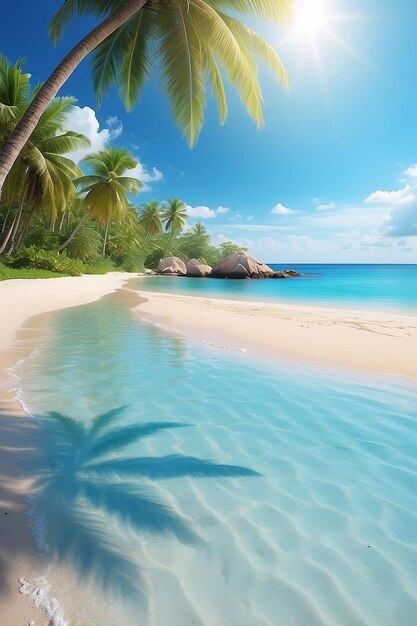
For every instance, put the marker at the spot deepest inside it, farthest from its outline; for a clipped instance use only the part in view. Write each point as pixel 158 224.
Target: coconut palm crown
pixel 174 215
pixel 189 42
pixel 106 189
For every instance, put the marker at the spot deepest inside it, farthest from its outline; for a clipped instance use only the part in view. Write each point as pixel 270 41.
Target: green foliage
pixel 35 258
pixel 86 245
pixel 132 263
pixel 107 188
pixel 228 247
pixel 102 267
pixel 189 43
pixel 8 273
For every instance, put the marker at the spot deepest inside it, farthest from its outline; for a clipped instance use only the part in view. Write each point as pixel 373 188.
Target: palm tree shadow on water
pixel 93 495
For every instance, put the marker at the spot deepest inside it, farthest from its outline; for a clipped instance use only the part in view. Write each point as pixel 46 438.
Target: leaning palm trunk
pixel 106 233
pixel 6 219
pixel 75 231
pixel 15 143
pixel 10 237
pixel 14 225
pixel 25 229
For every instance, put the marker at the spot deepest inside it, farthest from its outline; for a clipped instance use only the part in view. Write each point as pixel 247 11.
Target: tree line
pixel 52 212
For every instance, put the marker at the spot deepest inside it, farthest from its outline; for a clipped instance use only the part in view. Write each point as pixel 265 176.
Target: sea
pixel 177 484
pixel 368 287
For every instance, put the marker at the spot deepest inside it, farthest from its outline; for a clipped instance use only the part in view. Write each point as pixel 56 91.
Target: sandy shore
pixel 371 341
pixel 377 342
pixel 20 301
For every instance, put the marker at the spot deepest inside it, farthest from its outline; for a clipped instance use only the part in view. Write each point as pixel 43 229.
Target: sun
pixel 311 18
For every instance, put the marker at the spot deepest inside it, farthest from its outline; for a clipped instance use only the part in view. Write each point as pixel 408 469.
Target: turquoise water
pixel 180 485
pixel 382 287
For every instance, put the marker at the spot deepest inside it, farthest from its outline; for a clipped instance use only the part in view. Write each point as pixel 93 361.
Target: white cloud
pixel 84 120
pixel 326 207
pixel 144 175
pixel 401 222
pixel 115 125
pixel 200 212
pixel 411 171
pixel 260 228
pixel 280 209
pixel 401 196
pixel 205 212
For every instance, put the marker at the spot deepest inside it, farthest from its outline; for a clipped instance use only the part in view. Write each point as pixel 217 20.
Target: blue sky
pixel 332 177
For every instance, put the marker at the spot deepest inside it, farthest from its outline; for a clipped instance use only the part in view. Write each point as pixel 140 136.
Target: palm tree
pixel 107 188
pixel 85 475
pixel 174 216
pixel 151 220
pixel 42 175
pixel 193 38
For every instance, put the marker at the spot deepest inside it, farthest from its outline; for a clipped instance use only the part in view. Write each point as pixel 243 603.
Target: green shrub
pixel 86 245
pixel 36 258
pixel 8 273
pixel 104 266
pixel 132 263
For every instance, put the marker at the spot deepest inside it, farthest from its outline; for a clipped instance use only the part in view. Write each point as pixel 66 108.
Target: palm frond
pixel 215 79
pixel 66 142
pixel 136 64
pixel 278 11
pixel 182 76
pixel 255 44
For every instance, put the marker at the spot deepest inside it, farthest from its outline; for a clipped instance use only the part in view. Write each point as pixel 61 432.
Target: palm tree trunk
pixel 75 231
pixel 26 227
pixel 61 222
pixel 9 208
pixel 144 243
pixel 13 228
pixel 14 144
pixel 105 237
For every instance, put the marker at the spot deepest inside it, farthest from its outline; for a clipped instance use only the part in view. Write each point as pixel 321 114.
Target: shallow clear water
pixel 220 490
pixel 382 287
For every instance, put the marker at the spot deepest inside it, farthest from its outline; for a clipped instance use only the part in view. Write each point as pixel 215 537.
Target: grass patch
pixel 8 273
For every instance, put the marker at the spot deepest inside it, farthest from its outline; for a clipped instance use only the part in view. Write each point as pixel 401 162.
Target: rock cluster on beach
pixel 236 265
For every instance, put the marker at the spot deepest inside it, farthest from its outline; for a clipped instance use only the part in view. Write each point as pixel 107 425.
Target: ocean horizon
pixel 384 287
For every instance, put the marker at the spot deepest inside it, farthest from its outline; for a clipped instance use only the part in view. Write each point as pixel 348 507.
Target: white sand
pixel 372 341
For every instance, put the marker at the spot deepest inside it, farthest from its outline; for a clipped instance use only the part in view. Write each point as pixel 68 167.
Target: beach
pixel 375 342
pixel 21 300
pixel 368 341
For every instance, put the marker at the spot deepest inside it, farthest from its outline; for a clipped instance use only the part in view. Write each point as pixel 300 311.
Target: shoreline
pixel 376 342
pixel 26 303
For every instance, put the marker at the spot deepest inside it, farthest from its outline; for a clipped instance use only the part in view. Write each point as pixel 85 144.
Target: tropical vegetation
pixel 63 218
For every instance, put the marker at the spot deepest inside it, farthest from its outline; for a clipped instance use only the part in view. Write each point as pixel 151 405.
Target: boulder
pixel 168 271
pixel 171 265
pixel 148 272
pixel 292 273
pixel 285 274
pixel 197 269
pixel 241 265
pixel 239 272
